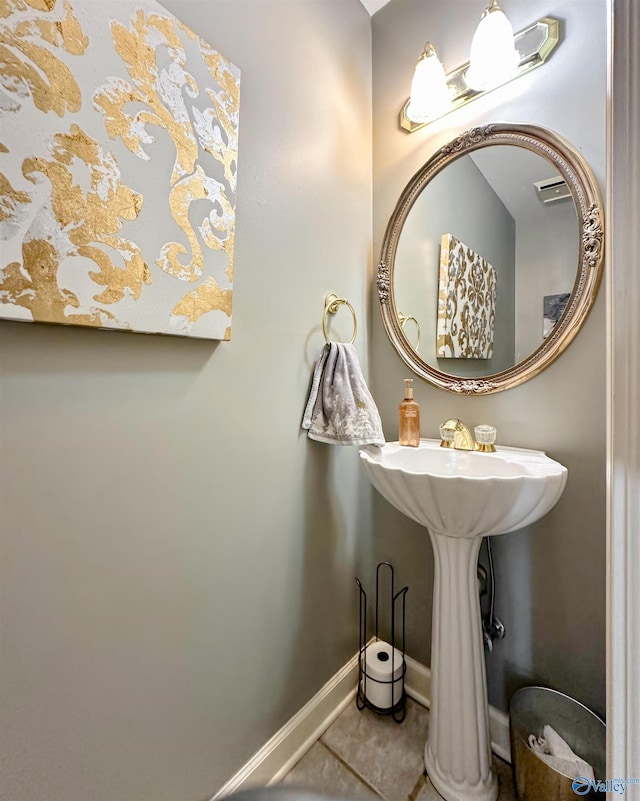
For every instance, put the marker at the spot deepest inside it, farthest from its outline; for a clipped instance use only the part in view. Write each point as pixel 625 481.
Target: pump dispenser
pixel 409 417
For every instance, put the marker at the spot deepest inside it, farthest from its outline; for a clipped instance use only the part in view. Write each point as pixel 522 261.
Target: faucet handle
pixel 485 436
pixel 447 434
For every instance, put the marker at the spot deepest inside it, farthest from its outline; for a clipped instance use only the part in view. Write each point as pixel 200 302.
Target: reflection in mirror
pixel 495 251
pixel 488 201
pixel 409 318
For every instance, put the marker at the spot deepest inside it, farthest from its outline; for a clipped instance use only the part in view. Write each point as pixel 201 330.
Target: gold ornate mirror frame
pixel 586 196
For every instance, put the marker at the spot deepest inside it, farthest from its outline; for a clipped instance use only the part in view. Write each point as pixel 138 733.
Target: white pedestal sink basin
pixel 462 496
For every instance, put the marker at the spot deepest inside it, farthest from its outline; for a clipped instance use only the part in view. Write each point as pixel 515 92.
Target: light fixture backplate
pixel 535 44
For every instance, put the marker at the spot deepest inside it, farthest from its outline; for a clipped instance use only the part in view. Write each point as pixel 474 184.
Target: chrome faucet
pixel 455 434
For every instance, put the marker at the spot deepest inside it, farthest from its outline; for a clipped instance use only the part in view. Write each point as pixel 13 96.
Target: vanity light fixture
pixel 430 95
pixel 529 48
pixel 494 58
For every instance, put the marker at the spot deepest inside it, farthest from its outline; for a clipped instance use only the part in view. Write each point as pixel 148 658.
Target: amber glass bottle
pixel 409 417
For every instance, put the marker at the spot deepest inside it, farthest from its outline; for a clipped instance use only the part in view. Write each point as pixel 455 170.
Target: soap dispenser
pixel 409 417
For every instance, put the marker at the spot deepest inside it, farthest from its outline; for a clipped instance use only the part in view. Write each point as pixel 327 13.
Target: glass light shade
pixel 494 58
pixel 430 95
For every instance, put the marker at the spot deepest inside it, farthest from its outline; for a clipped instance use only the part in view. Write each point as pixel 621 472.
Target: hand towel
pixel 340 409
pixel 553 750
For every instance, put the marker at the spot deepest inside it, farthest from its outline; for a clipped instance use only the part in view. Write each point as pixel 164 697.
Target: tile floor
pixel 368 757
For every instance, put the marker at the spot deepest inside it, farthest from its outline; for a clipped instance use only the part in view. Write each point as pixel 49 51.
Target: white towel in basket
pixel 553 750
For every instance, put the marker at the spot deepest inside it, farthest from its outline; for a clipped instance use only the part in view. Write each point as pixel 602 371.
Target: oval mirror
pixel 492 258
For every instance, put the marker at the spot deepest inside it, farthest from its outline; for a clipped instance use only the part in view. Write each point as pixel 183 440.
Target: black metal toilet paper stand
pixel 396 600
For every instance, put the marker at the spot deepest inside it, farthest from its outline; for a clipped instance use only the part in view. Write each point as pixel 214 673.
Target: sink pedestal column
pixel 458 752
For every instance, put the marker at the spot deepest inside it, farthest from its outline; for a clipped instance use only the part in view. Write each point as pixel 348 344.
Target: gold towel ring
pixel 405 318
pixel 331 304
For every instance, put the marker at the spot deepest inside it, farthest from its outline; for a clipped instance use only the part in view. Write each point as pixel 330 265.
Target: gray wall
pixel 551 576
pixel 178 559
pixel 548 248
pixel 547 236
pixel 457 201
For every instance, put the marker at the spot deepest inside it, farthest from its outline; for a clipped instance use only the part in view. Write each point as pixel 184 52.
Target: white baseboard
pixel 287 746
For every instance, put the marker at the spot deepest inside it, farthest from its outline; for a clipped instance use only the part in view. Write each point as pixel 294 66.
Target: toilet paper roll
pixel 382 689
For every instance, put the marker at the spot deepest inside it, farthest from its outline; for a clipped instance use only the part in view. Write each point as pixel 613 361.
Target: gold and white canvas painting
pixel 466 303
pixel 118 160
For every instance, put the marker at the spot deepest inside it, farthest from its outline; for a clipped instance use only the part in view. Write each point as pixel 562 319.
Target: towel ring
pixel 405 318
pixel 331 304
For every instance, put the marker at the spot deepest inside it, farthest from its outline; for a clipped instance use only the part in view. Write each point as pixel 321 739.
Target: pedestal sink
pixel 462 496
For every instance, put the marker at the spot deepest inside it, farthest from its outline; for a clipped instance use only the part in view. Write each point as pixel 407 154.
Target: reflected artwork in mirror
pixel 466 303
pixel 499 220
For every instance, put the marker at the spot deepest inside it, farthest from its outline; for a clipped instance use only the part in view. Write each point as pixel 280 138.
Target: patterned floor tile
pixel 506 791
pixel 427 792
pixel 321 771
pixel 387 755
pixel 369 757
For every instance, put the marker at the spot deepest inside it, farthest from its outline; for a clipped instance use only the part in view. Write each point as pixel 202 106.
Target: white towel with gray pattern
pixel 340 409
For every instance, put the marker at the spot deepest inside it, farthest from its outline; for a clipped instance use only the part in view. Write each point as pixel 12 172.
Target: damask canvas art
pixel 466 303
pixel 118 162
